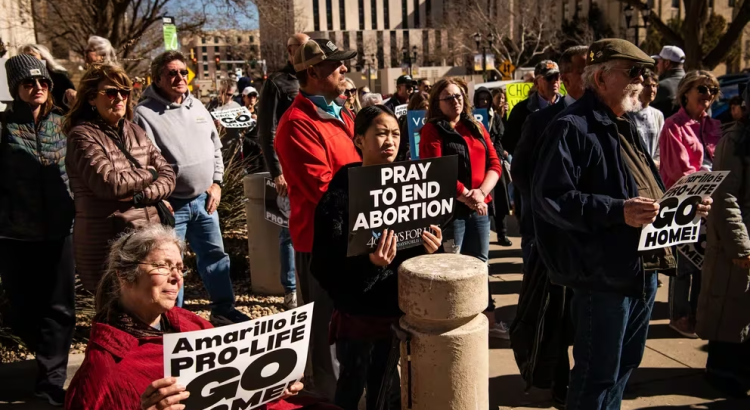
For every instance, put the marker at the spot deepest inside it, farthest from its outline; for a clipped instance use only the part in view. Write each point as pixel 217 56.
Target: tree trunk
pixel 693 27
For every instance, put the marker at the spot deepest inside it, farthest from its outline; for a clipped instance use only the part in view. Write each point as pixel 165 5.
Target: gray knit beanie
pixel 24 66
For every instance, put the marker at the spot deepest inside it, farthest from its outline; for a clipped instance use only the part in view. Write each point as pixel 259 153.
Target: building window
pixel 407 45
pixel 394 50
pixel 428 13
pixel 205 70
pixel 373 15
pixel 675 4
pixel 216 40
pixel 731 3
pixel 417 21
pixel 329 15
pixel 380 53
pixel 203 40
pixel 253 48
pixel 347 41
pixel 438 43
pixel 404 14
pixel 203 49
pixel 316 15
pixel 205 57
pixel 360 48
pixel 342 15
pixel 386 14
pixel 361 14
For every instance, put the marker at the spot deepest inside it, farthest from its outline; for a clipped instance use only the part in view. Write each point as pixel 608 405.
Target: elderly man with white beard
pixel 594 188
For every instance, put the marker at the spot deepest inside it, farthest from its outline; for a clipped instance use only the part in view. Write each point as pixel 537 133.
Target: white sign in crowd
pixel 240 366
pixel 677 222
pixel 234 117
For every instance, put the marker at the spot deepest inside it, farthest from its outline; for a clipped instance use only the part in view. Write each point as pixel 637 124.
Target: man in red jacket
pixel 314 140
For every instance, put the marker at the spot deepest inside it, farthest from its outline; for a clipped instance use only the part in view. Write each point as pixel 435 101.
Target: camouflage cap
pixel 614 48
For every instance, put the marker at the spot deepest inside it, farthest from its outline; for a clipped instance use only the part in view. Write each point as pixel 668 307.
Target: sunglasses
pixel 452 97
pixel 173 73
pixel 30 83
pixel 112 93
pixel 427 87
pixel 634 71
pixel 706 90
pixel 350 91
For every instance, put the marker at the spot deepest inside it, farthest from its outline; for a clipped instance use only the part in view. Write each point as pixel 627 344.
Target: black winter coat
pixel 276 96
pixel 355 285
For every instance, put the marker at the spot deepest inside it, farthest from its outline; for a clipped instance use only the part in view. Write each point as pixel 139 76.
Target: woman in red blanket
pixel 135 306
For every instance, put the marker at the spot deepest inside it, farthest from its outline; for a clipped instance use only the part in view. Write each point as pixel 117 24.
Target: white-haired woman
pixel 135 307
pixel 100 50
pixel 64 92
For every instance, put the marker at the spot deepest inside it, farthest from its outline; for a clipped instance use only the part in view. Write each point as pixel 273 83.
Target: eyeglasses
pixel 452 97
pixel 553 78
pixel 706 90
pixel 650 85
pixel 229 94
pixel 112 93
pixel 30 83
pixel 350 91
pixel 173 73
pixel 163 269
pixel 634 71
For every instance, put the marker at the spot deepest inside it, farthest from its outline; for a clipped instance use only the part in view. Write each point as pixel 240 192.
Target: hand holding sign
pixel 640 211
pixel 386 251
pixel 432 242
pixel 164 394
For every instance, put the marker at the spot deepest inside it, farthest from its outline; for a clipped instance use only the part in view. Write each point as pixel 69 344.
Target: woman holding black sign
pixel 450 129
pixel 364 288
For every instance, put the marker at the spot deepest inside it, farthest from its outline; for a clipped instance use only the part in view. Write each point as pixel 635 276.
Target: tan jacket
pixel 724 302
pixel 104 183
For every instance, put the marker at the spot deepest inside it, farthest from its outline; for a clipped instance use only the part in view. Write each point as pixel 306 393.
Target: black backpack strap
pixel 127 153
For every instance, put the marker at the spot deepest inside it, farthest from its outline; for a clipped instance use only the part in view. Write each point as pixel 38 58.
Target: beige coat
pixel 724 303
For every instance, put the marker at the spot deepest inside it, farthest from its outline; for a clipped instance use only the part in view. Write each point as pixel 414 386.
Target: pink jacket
pixel 681 145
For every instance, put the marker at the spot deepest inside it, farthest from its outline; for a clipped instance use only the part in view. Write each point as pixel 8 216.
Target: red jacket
pixel 118 367
pixel 312 145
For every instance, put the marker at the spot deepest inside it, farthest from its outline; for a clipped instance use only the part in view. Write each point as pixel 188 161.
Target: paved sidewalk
pixel 670 376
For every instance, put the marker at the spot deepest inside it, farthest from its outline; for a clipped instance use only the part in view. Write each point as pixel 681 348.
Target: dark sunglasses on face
pixel 452 97
pixel 634 71
pixel 553 78
pixel 173 73
pixel 112 93
pixel 350 91
pixel 30 83
pixel 706 90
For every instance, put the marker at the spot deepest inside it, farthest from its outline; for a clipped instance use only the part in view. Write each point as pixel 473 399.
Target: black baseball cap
pixel 317 50
pixel 405 79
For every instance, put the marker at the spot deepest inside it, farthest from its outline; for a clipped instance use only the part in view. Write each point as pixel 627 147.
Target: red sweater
pixel 118 367
pixel 312 146
pixel 430 146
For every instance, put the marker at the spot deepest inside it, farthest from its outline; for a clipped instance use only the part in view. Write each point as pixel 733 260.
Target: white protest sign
pixel 234 117
pixel 240 366
pixel 400 110
pixel 695 252
pixel 677 221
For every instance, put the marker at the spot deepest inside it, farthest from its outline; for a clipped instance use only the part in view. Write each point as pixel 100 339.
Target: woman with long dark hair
pixel 451 129
pixel 364 289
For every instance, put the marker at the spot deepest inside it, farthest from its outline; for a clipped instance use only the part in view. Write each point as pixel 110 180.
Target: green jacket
pixel 35 201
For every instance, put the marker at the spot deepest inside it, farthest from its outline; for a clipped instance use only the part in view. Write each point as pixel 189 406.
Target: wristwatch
pixel 219 183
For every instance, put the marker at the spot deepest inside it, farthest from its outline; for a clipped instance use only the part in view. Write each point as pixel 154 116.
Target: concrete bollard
pixel 262 239
pixel 445 361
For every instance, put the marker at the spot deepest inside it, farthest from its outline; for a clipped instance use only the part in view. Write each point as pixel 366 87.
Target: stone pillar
pixel 262 239
pixel 445 364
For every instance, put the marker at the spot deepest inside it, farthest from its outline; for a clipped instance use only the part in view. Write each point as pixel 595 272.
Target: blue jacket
pixel 580 186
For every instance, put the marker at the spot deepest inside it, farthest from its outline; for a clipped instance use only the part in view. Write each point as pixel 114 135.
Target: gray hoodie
pixel 188 140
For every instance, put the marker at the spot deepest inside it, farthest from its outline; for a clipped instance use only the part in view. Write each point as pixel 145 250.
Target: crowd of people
pixel 112 186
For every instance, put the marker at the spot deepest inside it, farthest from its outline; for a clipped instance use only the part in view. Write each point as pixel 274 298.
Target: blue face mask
pixel 333 108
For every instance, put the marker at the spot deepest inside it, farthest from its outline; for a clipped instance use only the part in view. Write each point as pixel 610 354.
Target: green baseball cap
pixel 615 48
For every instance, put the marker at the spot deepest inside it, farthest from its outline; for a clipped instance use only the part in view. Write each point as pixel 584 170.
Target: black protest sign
pixel 277 207
pixel 695 252
pixel 406 197
pixel 240 366
pixel 677 221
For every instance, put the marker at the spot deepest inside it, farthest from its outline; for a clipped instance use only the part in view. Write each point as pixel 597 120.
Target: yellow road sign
pixel 190 77
pixel 506 68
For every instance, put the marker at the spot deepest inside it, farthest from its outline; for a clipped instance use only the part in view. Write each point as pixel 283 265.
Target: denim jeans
pixel 471 237
pixel 363 365
pixel 684 290
pixel 201 230
pixel 286 253
pixel 610 337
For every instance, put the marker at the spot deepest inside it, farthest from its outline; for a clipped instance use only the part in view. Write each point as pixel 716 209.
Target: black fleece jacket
pixel 356 286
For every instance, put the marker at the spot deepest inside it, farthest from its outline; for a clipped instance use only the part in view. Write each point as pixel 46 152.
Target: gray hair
pixel 589 73
pixel 161 61
pixel 104 48
pixel 566 59
pixel 369 99
pixel 52 64
pixel 125 253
